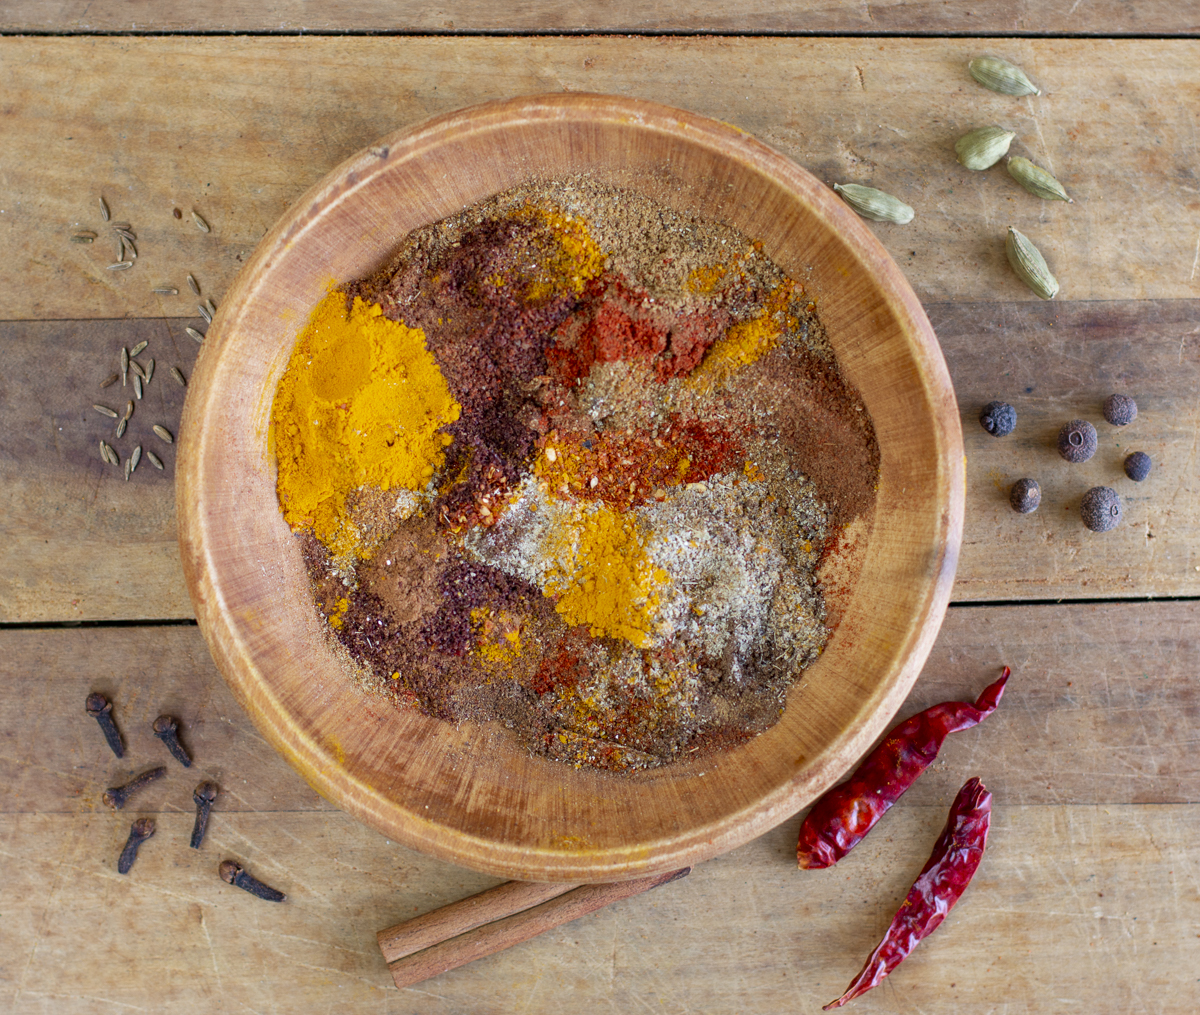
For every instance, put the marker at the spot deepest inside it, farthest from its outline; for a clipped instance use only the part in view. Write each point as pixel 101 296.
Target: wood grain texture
pixel 76 541
pixel 1080 906
pixel 1088 891
pixel 491 805
pixel 1005 17
pixel 514 929
pixel 1101 710
pixel 450 921
pixel 148 123
pixel 104 551
pixel 1054 363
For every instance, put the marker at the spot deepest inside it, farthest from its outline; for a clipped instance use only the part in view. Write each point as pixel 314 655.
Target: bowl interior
pixel 458 791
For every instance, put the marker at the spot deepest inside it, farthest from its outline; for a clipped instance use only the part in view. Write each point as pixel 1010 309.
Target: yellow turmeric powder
pixel 573 257
pixel 359 405
pixel 746 341
pixel 604 578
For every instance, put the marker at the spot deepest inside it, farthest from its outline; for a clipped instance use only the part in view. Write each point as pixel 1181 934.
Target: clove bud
pixel 232 873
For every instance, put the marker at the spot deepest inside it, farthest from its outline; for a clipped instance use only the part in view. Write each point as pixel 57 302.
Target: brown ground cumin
pixel 617 560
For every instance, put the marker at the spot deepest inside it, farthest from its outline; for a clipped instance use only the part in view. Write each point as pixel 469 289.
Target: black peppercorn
pixel 1120 410
pixel 1077 441
pixel 1025 495
pixel 1137 466
pixel 998 418
pixel 1100 509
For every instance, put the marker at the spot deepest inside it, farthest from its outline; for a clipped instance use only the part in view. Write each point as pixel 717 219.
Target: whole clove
pixel 204 795
pixel 116 796
pixel 167 730
pixel 232 873
pixel 140 831
pixel 100 709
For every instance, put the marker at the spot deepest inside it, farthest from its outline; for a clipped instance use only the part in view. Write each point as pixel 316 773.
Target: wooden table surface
pixel 1089 897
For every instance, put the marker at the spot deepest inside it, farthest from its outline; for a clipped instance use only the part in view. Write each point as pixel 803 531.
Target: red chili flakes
pixel 561 670
pixel 618 322
pixel 625 470
pixel 483 505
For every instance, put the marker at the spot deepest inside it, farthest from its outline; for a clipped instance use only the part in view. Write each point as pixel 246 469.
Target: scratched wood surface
pixel 1006 17
pixel 153 124
pixel 1088 891
pixel 78 543
pixel 1088 899
pixel 163 135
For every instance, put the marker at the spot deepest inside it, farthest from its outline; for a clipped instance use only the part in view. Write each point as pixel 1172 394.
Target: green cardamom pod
pixel 874 204
pixel 984 147
pixel 1036 180
pixel 1001 76
pixel 1030 266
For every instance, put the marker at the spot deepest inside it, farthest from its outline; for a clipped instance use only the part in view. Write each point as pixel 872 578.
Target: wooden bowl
pixel 426 783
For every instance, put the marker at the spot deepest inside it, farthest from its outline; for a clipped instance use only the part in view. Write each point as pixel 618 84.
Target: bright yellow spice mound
pixel 747 341
pixel 605 579
pixel 573 257
pixel 359 405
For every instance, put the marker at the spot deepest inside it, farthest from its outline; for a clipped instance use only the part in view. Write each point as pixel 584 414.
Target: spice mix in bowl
pixel 592 509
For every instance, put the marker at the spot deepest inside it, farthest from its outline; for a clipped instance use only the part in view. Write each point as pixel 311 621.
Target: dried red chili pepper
pixel 939 886
pixel 842 817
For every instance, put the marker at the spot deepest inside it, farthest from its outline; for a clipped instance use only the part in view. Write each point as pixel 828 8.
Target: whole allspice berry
pixel 998 418
pixel 1137 466
pixel 1100 509
pixel 1077 440
pixel 1120 410
pixel 1025 496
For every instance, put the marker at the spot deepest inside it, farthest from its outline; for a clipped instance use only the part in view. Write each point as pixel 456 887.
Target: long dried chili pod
pixel 842 817
pixel 942 881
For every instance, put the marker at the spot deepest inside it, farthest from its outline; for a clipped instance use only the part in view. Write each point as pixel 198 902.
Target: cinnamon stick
pixel 496 919
pixel 459 917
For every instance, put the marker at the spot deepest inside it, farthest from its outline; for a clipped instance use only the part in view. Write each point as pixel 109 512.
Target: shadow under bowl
pixel 459 792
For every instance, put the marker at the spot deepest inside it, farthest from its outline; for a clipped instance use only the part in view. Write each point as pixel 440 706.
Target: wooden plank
pixel 155 125
pixel 1073 906
pixel 77 543
pixel 1087 894
pixel 1005 17
pixel 1057 362
pixel 1102 710
pixel 55 758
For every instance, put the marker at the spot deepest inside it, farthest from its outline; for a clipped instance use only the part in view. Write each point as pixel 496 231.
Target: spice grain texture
pixel 571 461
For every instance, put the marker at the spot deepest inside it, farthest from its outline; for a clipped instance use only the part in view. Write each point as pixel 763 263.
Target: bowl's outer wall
pixel 460 792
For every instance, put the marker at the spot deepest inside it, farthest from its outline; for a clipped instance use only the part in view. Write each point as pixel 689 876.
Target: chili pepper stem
pixel 841 819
